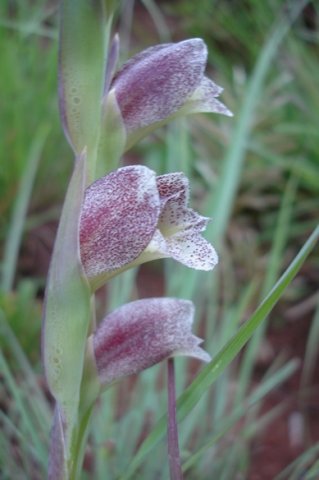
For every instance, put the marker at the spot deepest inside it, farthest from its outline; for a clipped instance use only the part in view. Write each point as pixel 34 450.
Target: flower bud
pixel 142 333
pixel 163 82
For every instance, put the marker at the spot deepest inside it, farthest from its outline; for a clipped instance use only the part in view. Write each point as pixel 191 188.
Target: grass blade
pixel 311 354
pixel 13 241
pixel 228 421
pixel 277 252
pixel 227 186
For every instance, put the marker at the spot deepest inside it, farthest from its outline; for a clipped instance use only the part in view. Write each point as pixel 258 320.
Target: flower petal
pixel 192 250
pixel 155 83
pixel 204 99
pixel 174 194
pixel 178 235
pixel 171 184
pixel 175 215
pixel 142 333
pixel 119 218
pixel 188 248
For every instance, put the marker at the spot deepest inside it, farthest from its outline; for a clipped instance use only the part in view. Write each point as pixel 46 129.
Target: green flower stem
pixel 79 444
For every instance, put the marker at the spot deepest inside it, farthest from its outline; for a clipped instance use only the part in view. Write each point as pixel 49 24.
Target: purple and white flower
pixel 131 216
pixel 140 334
pixel 161 83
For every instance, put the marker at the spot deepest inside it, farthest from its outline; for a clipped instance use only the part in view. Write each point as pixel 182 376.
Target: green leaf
pixel 215 368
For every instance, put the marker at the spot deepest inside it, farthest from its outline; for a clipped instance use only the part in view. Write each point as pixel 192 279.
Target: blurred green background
pixel 256 175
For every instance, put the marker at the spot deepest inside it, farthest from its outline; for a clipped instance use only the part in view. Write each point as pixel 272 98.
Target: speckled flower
pixel 161 83
pixel 131 216
pixel 142 333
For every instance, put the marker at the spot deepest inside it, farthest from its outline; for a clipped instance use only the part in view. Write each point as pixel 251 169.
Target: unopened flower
pixel 161 83
pixel 142 333
pixel 131 216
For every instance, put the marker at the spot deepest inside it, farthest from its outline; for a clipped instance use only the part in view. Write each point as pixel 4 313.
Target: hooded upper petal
pixel 119 218
pixel 142 333
pixel 155 83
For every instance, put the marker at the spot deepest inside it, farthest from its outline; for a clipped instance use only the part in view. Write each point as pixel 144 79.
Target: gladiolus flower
pixel 131 216
pixel 161 83
pixel 140 334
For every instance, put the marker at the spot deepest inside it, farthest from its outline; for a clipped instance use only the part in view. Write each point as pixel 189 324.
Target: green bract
pixel 67 317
